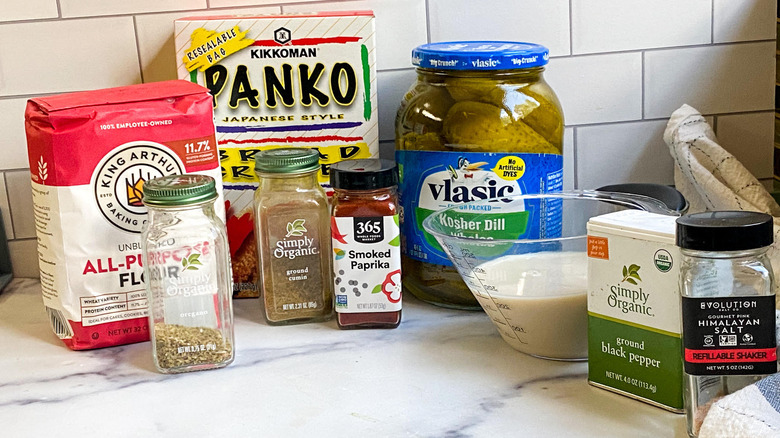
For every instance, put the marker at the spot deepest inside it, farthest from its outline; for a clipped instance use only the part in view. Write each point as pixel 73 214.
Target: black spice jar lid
pixel 363 174
pixel 724 231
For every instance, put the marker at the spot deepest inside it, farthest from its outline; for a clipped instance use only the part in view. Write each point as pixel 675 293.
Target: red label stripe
pixel 309 41
pixel 728 356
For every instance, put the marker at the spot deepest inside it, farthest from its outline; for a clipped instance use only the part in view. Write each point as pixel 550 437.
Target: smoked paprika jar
pixel 366 244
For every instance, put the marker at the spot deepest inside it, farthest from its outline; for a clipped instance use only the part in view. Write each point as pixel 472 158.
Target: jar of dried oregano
pixel 188 277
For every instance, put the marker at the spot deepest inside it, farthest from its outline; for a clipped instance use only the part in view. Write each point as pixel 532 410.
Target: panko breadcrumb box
pixel 305 80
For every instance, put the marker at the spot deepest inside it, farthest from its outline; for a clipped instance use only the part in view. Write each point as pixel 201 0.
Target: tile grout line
pixel 138 49
pixel 8 200
pixel 642 76
pixel 712 21
pixel 571 29
pixel 574 171
pixel 10 207
pixel 428 20
pixel 59 9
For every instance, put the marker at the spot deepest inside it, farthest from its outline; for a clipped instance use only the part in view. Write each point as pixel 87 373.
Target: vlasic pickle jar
pixel 480 122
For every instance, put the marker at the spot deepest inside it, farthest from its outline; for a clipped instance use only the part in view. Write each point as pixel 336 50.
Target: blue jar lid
pixel 480 55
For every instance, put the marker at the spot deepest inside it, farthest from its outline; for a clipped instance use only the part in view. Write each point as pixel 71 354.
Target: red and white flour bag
pixel 90 154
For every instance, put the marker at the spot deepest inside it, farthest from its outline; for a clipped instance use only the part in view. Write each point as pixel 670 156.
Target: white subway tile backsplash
pixel 13 142
pixel 20 199
pixel 598 88
pixel 617 25
pixel 621 153
pixel 13 10
pixel 391 89
pixel 88 8
pixel 543 22
pixel 749 137
pixel 5 209
pixel 400 26
pixel 24 258
pixel 744 20
pixel 569 182
pixel 68 55
pixel 155 39
pixel 714 79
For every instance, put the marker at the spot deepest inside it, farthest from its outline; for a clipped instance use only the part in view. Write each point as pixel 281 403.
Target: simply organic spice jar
pixel 188 281
pixel 480 122
pixel 292 225
pixel 366 244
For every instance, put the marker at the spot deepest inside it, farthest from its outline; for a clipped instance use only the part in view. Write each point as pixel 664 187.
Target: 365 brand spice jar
pixel 293 230
pixel 366 244
pixel 480 122
pixel 728 306
pixel 188 279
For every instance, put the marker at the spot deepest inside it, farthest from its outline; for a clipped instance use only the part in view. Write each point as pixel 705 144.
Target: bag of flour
pixel 90 154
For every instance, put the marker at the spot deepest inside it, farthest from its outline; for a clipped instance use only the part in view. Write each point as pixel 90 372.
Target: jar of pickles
pixel 480 122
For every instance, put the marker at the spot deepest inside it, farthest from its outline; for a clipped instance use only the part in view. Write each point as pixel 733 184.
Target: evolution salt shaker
pixel 728 306
pixel 188 276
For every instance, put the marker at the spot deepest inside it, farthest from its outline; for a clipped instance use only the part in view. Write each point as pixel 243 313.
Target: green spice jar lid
pixel 287 160
pixel 177 190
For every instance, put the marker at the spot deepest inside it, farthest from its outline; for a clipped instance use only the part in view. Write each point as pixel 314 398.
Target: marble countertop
pixel 442 373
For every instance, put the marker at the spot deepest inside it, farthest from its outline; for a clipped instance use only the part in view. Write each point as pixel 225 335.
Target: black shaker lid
pixel 363 174
pixel 725 231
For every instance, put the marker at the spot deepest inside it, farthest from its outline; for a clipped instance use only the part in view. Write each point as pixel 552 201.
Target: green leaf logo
pixel 377 289
pixel 191 262
pixel 296 228
pixel 631 274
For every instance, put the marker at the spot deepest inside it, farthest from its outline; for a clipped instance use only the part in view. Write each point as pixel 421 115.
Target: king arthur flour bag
pixel 90 154
pixel 298 80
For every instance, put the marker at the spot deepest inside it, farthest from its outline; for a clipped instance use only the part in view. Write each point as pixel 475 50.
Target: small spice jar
pixel 728 306
pixel 293 230
pixel 188 276
pixel 366 244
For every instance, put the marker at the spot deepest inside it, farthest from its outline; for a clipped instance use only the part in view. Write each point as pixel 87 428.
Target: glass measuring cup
pixel 524 259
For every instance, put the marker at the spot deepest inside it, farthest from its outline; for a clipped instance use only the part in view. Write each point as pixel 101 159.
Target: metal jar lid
pixel 287 160
pixel 178 190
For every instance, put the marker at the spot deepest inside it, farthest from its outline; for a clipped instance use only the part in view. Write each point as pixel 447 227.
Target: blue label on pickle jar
pixel 433 180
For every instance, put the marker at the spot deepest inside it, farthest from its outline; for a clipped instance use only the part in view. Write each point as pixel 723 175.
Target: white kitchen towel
pixel 711 178
pixel 751 412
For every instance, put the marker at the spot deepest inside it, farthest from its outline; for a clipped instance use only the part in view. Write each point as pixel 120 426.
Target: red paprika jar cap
pixel 363 174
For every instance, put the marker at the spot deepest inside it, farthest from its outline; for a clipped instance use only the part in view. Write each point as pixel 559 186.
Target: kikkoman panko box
pixel 305 80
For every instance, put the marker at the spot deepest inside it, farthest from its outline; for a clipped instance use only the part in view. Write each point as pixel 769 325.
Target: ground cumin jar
pixel 366 244
pixel 293 237
pixel 480 122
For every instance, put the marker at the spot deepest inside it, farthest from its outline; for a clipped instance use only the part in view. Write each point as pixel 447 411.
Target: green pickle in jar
pixel 480 122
